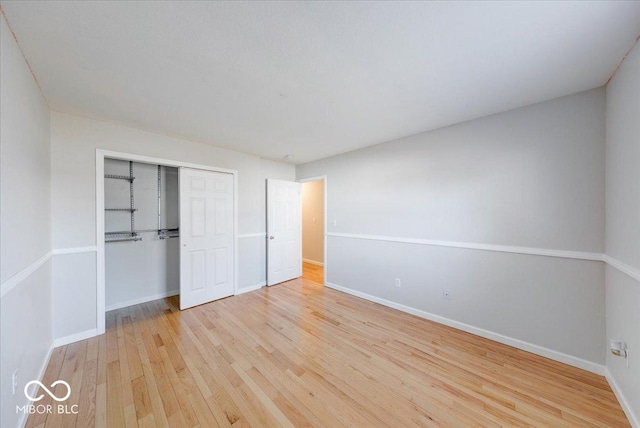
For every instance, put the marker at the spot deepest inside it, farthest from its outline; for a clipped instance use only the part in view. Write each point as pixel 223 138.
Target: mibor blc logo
pixel 48 408
pixel 51 394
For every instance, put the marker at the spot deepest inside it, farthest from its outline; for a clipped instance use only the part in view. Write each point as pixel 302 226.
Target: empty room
pixel 328 214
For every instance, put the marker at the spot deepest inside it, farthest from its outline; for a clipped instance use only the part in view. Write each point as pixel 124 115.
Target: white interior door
pixel 206 236
pixel 284 231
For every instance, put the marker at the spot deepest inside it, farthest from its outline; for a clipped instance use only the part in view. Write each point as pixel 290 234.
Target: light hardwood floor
pixel 313 273
pixel 299 354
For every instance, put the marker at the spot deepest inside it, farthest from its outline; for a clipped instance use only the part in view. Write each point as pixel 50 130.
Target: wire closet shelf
pixel 133 234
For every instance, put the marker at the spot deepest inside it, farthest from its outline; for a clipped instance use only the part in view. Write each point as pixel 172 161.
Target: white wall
pixel 73 143
pixel 623 226
pixel 25 227
pixel 531 177
pixel 137 271
pixel 313 221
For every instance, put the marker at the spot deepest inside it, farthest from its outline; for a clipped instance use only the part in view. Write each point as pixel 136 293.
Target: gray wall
pixel 25 227
pixel 531 177
pixel 74 141
pixel 623 224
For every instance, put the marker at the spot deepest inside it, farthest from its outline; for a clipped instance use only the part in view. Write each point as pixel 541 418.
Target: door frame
pixel 100 254
pixel 326 221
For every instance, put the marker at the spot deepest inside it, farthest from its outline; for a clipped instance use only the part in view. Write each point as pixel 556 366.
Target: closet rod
pixel 137 238
pixel 121 232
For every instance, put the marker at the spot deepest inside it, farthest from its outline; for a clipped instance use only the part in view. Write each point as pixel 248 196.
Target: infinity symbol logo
pixel 51 394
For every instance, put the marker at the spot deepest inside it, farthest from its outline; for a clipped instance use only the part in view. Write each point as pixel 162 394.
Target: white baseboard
pixel 61 341
pixel 516 343
pixel 144 299
pixel 45 363
pixel 251 288
pixel 634 420
pixel 313 262
pixel 43 368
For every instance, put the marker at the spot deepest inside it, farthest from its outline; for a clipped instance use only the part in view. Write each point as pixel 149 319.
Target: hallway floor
pixel 313 273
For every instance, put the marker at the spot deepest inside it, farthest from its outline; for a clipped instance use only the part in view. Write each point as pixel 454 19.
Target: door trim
pixel 326 220
pixel 100 254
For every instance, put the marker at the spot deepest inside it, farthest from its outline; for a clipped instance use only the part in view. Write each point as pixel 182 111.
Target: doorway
pixel 313 229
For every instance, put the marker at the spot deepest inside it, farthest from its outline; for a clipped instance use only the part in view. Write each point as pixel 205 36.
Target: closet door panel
pixel 206 236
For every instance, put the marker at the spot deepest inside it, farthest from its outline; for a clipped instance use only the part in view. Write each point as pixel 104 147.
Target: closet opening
pixel 141 227
pixel 163 228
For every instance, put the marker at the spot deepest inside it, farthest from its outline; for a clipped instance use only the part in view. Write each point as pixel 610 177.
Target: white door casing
pixel 206 236
pixel 284 231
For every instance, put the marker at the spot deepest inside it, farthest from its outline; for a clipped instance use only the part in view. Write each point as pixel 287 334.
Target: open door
pixel 206 236
pixel 284 231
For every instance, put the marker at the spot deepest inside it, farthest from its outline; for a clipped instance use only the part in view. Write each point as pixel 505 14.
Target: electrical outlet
pixel 398 283
pixel 14 382
pixel 619 349
pixel 335 222
pixel 446 294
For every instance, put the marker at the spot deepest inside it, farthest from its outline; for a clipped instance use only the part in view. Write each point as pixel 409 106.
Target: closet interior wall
pixel 143 266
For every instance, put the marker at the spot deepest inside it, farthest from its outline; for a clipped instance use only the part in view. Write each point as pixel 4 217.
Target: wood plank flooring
pixel 299 354
pixel 313 273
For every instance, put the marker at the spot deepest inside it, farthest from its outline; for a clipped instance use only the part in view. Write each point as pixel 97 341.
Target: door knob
pixel 272 237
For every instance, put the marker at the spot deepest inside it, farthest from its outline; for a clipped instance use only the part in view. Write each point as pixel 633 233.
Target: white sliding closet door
pixel 206 236
pixel 284 231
